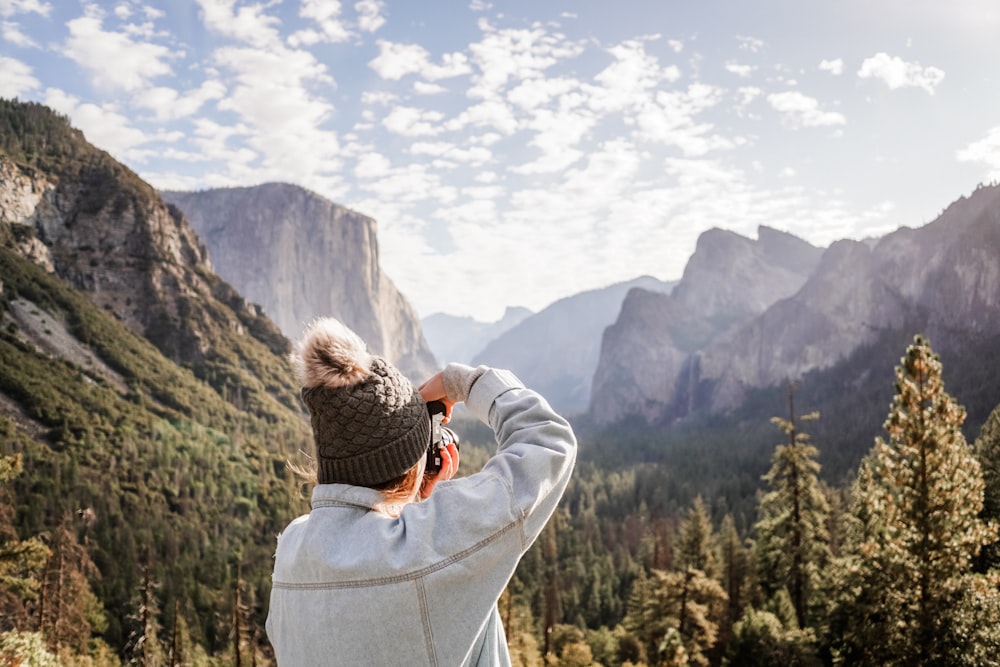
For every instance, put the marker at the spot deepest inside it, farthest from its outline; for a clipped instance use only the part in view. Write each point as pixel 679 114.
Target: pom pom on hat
pixel 331 355
pixel 369 423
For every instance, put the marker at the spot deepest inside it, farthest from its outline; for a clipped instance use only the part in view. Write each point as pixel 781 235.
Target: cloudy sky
pixel 514 153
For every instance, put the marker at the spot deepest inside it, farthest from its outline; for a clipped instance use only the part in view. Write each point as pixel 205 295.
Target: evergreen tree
pixel 915 529
pixel 793 543
pixel 987 450
pixel 694 548
pixel 734 560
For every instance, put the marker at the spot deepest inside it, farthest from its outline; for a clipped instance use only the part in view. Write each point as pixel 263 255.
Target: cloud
pixel 12 34
pixel 169 104
pixel 474 156
pixel 12 7
pixel 627 82
pixel 740 70
pixel 492 114
pixel 16 78
pixel 270 93
pixel 897 73
pixel 113 59
pixel 835 67
pixel 396 61
pixel 249 24
pixel 557 133
pixel 370 16
pixel 326 15
pixel 508 55
pixel 413 122
pixel 670 120
pixel 424 88
pixel 802 110
pixel 751 44
pixel 986 151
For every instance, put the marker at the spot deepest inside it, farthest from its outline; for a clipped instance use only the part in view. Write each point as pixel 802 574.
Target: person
pixel 391 567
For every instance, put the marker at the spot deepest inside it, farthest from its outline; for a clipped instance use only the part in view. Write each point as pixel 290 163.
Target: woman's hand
pixel 449 466
pixel 433 390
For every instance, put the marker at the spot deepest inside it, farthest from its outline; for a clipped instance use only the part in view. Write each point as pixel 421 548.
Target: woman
pixel 390 567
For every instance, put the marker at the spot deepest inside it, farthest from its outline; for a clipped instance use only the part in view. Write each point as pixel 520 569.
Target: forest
pixel 897 565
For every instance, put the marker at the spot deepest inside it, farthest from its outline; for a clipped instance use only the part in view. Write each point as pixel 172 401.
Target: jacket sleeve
pixel 537 448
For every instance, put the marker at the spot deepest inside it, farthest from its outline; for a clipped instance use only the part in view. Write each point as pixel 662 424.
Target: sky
pixel 515 153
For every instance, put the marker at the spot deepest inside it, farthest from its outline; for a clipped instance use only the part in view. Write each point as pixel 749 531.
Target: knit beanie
pixel 369 423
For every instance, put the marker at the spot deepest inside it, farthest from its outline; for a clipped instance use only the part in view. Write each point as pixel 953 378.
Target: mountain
pixel 454 338
pixel 152 406
pixel 940 280
pixel 646 361
pixel 301 256
pixel 93 223
pixel 555 351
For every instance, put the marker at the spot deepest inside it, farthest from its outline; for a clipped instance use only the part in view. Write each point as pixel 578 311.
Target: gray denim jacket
pixel 353 587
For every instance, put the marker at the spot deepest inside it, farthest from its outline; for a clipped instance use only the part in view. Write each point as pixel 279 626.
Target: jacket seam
pixel 425 619
pixel 410 576
pixel 332 502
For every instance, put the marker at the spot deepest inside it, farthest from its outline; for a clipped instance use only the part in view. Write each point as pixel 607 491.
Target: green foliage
pixel 760 639
pixel 176 478
pixel 26 648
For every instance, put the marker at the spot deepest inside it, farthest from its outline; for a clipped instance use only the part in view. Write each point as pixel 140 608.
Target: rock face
pixel 648 366
pixel 301 256
pixel 556 350
pixel 109 234
pixel 721 332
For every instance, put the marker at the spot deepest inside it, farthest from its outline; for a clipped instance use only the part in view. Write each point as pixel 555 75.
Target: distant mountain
pixel 302 256
pixel 555 351
pixel 775 309
pixel 454 338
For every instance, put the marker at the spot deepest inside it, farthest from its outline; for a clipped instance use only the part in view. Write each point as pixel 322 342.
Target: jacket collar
pixel 339 495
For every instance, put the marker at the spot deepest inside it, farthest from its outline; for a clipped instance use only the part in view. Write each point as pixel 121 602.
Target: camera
pixel 441 437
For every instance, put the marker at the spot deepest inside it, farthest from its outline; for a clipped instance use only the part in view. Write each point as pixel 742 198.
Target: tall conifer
pixel 915 530
pixel 793 543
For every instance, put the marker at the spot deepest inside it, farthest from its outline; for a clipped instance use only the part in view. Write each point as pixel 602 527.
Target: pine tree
pixel 914 532
pixel 793 543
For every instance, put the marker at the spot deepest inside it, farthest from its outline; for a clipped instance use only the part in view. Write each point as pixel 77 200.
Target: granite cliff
pixel 647 360
pixel 302 256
